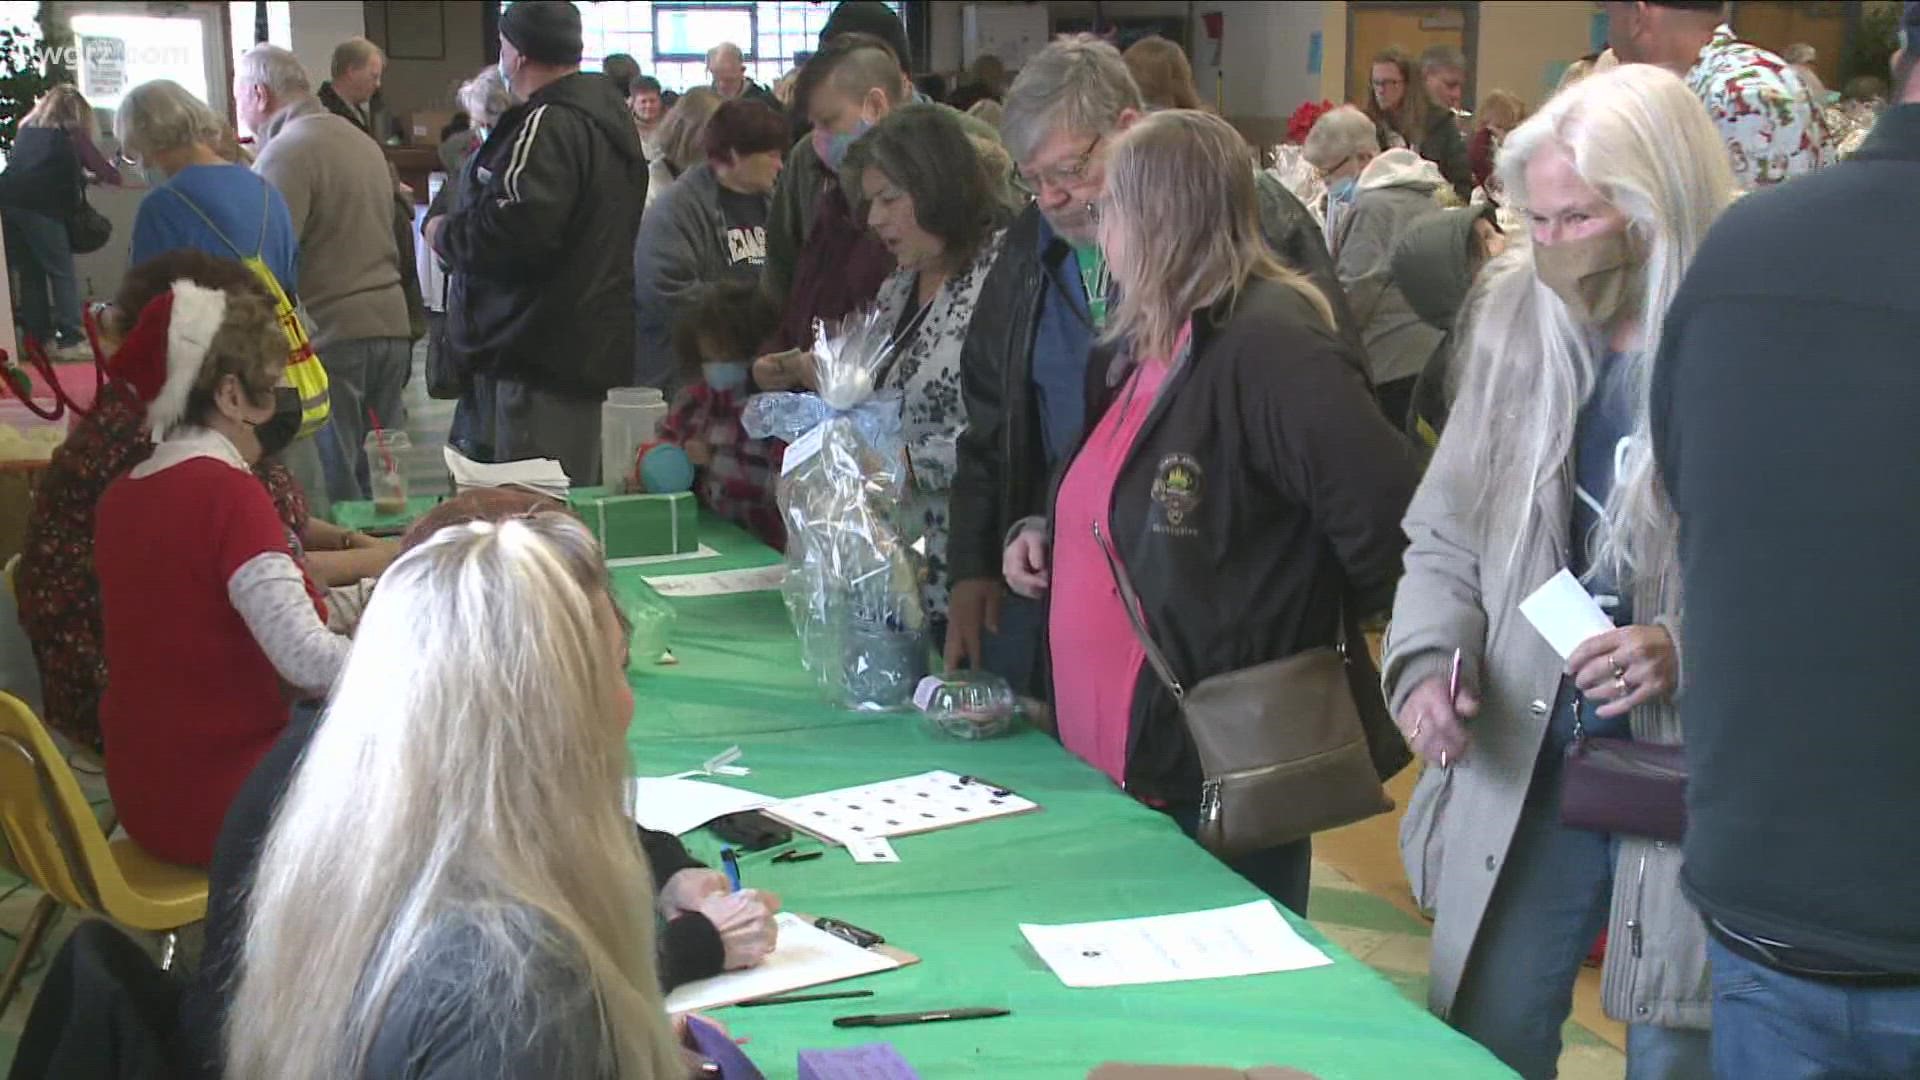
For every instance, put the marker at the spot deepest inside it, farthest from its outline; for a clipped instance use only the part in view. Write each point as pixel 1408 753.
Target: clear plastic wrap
pixel 854 572
pixel 1291 167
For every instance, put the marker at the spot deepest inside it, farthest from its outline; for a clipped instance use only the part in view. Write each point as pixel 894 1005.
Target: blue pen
pixel 731 863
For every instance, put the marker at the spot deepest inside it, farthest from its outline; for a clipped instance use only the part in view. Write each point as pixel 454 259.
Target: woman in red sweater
pixel 211 624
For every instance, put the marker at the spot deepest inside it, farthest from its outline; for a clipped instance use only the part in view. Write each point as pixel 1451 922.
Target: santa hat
pixel 161 358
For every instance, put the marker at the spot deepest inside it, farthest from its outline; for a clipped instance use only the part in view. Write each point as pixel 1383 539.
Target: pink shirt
pixel 1091 636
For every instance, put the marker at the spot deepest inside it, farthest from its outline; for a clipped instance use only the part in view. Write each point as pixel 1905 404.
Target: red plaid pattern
pixel 738 483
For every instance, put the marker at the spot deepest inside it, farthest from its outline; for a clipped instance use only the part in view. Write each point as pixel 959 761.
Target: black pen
pixel 798 856
pixel 794 999
pixel 934 1017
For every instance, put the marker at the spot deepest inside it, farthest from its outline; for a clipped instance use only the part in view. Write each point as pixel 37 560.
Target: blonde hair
pixel 466 775
pixel 1645 143
pixel 1181 183
pixel 159 116
pixel 1501 105
pixel 683 129
pixel 1161 69
pixel 61 107
pixel 250 345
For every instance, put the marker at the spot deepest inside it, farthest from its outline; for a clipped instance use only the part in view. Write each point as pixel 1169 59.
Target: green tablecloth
pixel 359 514
pixel 956 897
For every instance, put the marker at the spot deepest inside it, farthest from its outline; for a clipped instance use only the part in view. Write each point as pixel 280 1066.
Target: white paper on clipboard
pixel 805 956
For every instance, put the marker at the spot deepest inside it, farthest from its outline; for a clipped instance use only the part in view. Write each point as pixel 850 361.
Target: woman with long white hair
pixel 458 818
pixel 1546 464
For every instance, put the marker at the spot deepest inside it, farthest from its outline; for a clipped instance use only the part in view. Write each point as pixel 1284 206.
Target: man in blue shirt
pixel 1025 370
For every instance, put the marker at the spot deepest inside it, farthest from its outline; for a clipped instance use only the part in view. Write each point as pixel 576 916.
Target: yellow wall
pixel 1521 41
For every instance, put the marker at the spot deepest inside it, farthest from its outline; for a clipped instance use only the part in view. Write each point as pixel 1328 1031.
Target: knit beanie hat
pixel 545 31
pixel 869 17
pixel 161 357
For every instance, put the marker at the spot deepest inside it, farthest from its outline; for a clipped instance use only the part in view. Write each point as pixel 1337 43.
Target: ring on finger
pixel 1618 671
pixel 1620 683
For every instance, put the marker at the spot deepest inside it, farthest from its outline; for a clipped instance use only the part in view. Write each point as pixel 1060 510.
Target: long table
pixel 956 897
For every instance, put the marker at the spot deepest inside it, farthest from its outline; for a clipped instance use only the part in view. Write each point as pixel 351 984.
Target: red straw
pixel 380 436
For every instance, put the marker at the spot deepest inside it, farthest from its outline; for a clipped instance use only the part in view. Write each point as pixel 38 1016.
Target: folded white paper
pixel 543 475
pixel 670 804
pixel 1565 613
pixel 720 582
pixel 1252 939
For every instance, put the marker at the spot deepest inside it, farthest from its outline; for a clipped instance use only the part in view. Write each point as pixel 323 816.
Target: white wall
pixel 1263 58
pixel 318 26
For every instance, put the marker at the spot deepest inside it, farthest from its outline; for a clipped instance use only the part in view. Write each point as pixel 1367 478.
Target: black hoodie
pixel 539 248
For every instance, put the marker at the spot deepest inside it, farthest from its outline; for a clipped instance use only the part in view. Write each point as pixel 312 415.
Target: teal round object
pixel 665 469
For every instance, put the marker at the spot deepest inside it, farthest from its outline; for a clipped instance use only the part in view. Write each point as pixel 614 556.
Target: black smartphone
pixel 751 831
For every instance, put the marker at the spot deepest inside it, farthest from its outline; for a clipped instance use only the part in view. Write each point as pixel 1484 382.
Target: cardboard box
pixel 631 526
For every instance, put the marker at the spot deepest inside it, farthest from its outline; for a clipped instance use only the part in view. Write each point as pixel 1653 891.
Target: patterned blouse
pixel 1773 129
pixel 927 372
pixel 58 594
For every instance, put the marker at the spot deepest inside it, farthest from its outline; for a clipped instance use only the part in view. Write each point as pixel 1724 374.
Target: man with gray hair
pixel 340 195
pixel 353 93
pixel 727 66
pixel 1024 371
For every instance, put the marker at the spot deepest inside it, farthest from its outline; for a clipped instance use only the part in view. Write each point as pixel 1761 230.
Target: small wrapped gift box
pixel 630 526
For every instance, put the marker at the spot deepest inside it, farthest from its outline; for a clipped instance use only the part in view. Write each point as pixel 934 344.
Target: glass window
pixel 119 52
pixel 670 40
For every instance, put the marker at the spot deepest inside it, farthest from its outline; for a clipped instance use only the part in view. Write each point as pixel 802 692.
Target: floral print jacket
pixel 927 372
pixel 1772 126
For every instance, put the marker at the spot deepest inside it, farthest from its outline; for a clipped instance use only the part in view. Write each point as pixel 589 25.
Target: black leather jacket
pixel 1002 471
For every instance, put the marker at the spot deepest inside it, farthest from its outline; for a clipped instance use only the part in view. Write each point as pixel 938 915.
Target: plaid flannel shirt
pixel 738 482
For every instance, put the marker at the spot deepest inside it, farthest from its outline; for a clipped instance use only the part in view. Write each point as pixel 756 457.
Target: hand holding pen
pixel 1433 717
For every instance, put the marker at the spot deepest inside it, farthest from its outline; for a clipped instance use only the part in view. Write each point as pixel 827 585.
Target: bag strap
pixel 265 206
pixel 1130 600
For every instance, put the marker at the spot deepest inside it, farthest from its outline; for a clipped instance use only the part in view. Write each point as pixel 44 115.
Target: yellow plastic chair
pixel 58 845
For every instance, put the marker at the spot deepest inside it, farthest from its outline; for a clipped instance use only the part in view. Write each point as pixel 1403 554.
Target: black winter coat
pixel 539 249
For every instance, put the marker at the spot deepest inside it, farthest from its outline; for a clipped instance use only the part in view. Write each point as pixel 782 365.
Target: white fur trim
pixel 196 318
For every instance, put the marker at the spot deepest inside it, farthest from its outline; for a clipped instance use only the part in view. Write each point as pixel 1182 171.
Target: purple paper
pixel 873 1061
pixel 714 1045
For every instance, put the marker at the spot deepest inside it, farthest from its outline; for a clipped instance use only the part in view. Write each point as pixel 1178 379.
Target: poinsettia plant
pixel 1303 117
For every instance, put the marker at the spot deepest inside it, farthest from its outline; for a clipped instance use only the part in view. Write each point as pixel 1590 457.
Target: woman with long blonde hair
pixel 1546 464
pixel 1236 469
pixel 46 175
pixel 458 816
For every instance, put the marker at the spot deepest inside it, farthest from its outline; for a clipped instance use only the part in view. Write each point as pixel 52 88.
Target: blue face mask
pixel 725 376
pixel 831 148
pixel 1342 189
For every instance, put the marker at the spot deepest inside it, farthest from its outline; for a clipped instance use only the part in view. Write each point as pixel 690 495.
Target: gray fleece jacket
pixel 1397 187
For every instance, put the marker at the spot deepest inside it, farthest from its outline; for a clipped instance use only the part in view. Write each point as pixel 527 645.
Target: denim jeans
pixel 1784 1027
pixel 366 377
pixel 513 421
pixel 38 251
pixel 1547 910
pixel 1013 652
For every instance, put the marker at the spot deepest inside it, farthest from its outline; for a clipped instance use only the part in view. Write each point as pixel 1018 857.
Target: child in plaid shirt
pixel 715 339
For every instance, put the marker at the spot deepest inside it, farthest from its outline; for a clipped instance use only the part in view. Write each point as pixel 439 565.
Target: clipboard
pixel 819 958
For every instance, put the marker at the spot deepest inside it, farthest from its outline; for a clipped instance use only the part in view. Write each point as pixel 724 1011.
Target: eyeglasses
pixel 1066 175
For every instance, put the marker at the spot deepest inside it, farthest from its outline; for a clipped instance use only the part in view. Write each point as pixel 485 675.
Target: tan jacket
pixel 340 194
pixel 1464 590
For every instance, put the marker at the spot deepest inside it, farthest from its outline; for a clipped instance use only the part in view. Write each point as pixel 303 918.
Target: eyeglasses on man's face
pixel 1065 175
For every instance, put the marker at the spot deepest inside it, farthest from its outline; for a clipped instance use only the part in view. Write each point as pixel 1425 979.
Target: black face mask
pixel 276 433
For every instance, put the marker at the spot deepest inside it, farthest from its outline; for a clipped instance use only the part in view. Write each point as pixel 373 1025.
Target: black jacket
pixel 377 122
pixel 1001 476
pixel 43 172
pixel 104 1008
pixel 1783 406
pixel 539 250
pixel 1443 145
pixel 1297 485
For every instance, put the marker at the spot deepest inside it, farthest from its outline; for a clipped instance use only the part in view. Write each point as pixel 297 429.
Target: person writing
pixel 461 804
pixel 210 620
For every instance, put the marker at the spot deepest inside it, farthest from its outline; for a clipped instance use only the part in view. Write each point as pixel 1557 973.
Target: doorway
pixel 1825 26
pixel 1413 28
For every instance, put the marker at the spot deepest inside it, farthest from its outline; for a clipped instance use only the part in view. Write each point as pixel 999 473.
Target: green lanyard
pixel 1094 277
